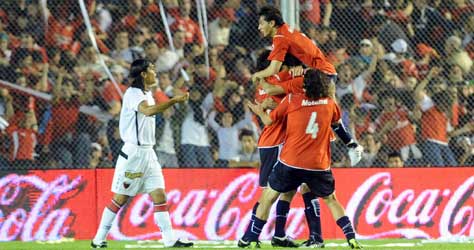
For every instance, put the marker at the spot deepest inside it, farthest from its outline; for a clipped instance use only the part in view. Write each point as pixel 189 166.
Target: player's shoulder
pixel 132 91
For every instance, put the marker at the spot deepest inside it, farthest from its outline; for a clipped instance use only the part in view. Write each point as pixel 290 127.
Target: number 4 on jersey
pixel 313 126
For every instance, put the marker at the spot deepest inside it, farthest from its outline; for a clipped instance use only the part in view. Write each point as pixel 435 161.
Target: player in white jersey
pixel 137 169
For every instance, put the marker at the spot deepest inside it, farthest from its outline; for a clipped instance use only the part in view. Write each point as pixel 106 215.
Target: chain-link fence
pixel 404 78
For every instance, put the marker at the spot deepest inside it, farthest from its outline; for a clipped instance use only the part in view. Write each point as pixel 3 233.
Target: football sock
pixel 312 213
pixel 254 211
pixel 253 230
pixel 345 224
pixel 282 209
pixel 163 221
pixel 108 216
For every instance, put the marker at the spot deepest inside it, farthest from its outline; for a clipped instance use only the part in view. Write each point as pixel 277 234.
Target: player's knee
pixel 158 196
pixel 304 188
pixel 288 196
pixel 120 199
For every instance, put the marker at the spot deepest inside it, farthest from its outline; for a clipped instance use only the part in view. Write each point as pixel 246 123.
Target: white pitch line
pixel 233 244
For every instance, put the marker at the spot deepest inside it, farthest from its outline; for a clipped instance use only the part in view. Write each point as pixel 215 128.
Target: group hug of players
pixel 300 115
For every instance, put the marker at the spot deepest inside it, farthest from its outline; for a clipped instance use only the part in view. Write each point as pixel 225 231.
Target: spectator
pixel 185 23
pixel 98 159
pixel 371 150
pixel 468 34
pixel 427 25
pixel 6 104
pixel 248 155
pixel 168 135
pixel 123 54
pixel 70 146
pixel 365 51
pixel 228 135
pixel 394 124
pixel 395 160
pixel 455 54
pixel 111 94
pixel 434 130
pixel 194 137
pixel 219 29
pixel 23 140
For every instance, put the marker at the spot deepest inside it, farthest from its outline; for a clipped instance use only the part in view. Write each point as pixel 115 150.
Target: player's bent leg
pixel 108 216
pixel 254 229
pixel 163 221
pixel 282 208
pixel 313 218
pixel 342 220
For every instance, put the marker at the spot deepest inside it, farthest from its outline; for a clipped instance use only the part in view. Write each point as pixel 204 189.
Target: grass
pixel 395 244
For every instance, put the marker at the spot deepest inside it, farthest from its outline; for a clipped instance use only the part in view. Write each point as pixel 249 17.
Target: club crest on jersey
pixel 126 185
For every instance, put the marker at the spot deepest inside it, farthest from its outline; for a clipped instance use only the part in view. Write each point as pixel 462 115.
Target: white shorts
pixel 137 171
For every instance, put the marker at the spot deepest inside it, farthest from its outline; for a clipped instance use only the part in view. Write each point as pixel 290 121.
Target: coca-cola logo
pixel 48 206
pixel 219 213
pixel 31 208
pixel 377 211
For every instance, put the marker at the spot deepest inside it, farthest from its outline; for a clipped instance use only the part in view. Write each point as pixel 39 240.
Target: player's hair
pixel 271 13
pixel 138 66
pixel 263 62
pixel 316 84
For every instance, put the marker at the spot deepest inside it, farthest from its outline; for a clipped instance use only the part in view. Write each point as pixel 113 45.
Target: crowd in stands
pixel 405 81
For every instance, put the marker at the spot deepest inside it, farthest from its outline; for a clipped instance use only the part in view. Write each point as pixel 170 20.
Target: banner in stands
pixel 215 204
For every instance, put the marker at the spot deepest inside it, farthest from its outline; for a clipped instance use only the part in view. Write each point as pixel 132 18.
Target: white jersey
pixel 135 127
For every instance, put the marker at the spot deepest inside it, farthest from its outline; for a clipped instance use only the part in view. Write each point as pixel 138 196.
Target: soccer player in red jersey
pixel 269 144
pixel 305 156
pixel 286 40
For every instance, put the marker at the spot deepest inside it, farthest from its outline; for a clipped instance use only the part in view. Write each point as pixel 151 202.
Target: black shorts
pixel 284 179
pixel 268 158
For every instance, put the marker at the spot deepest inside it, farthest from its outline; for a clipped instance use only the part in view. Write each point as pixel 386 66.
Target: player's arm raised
pixel 272 69
pixel 150 110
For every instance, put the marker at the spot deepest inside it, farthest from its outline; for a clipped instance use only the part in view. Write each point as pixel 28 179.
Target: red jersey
pixel 110 93
pixel 300 46
pixel 273 134
pixel 294 85
pixel 434 126
pixel 24 143
pixel 308 133
pixel 402 134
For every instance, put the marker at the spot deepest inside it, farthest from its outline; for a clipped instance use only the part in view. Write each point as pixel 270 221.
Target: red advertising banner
pixel 215 204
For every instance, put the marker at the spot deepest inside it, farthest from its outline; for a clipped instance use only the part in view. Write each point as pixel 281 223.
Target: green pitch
pixel 395 244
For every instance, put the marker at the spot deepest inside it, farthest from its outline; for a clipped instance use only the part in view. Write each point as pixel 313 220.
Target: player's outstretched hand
pixel 257 108
pixel 355 152
pixel 181 98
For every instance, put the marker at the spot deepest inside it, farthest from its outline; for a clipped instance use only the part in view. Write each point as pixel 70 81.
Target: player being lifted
pixel 305 156
pixel 137 169
pixel 269 143
pixel 285 40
